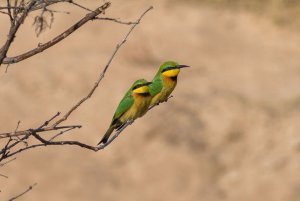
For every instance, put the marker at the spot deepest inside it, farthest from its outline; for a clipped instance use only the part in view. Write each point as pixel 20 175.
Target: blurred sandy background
pixel 231 132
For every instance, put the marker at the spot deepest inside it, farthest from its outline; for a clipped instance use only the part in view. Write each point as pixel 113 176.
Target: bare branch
pixel 21 194
pixel 8 152
pixel 42 47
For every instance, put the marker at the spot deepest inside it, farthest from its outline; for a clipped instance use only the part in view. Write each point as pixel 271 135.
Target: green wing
pixel 124 105
pixel 156 86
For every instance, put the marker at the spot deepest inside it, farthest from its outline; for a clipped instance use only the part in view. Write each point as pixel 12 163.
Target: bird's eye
pixel 136 86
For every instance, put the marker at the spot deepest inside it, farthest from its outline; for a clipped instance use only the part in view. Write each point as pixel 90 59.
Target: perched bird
pixel 134 104
pixel 164 81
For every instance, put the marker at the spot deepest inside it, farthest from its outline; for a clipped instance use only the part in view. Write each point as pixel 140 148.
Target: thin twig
pixel 18 124
pixel 78 5
pixel 9 12
pixel 65 117
pixel 48 121
pixel 57 11
pixel 114 20
pixel 5 150
pixel 21 194
pixel 60 133
pixel 6 69
pixel 38 130
pixel 15 11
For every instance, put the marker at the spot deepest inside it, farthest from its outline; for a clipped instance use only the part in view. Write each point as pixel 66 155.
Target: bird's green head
pixel 171 68
pixel 141 87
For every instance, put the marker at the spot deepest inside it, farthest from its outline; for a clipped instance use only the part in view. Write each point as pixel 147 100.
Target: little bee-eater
pixel 164 81
pixel 134 104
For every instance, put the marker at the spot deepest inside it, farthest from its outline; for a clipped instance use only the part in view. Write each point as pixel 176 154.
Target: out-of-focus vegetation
pixel 282 12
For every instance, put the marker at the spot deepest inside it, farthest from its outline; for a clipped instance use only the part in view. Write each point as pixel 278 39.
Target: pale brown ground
pixel 231 132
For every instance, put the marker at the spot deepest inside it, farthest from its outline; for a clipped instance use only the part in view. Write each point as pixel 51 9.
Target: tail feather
pixel 107 134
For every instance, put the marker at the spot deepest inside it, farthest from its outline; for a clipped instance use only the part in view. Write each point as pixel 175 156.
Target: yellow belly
pixel 138 109
pixel 166 91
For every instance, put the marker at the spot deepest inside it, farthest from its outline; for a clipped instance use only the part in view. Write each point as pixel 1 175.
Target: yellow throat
pixel 171 73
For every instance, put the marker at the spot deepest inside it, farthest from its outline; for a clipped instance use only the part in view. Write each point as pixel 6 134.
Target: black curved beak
pixel 182 66
pixel 147 83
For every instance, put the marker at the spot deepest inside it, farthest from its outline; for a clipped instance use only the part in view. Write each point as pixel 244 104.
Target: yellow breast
pixel 138 109
pixel 167 89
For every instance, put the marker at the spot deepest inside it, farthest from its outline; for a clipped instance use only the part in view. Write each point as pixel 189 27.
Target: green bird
pixel 134 104
pixel 164 81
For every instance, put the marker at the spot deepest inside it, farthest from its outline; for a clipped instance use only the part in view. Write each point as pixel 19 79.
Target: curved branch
pixel 65 117
pixel 42 47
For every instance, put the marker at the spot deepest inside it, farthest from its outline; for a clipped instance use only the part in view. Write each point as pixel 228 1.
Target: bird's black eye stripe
pixel 137 86
pixel 166 69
